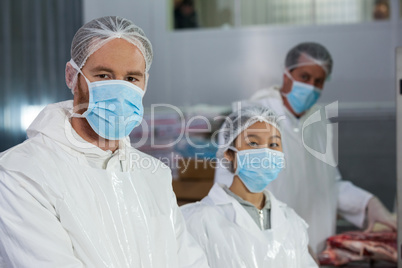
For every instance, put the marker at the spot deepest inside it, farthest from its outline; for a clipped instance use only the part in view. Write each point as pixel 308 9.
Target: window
pixel 236 13
pixel 35 46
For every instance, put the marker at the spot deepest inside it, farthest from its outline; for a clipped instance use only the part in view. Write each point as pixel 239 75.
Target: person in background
pixel 381 10
pixel 185 15
pixel 244 225
pixel 75 194
pixel 311 184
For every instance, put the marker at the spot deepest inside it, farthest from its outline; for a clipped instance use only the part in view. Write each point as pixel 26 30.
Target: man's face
pixel 116 60
pixel 309 74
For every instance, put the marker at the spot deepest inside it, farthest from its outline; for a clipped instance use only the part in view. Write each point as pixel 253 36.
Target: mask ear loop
pixel 236 151
pixel 75 66
pixel 287 73
pixel 233 149
pixel 146 82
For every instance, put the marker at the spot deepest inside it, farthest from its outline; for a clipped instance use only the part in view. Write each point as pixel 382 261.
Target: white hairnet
pixel 240 120
pixel 96 33
pixel 313 53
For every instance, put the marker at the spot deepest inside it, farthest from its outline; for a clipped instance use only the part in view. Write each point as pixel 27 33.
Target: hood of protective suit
pixel 54 122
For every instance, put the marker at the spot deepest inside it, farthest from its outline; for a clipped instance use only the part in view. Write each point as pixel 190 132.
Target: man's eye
pixel 305 77
pixel 103 76
pixel 319 82
pixel 131 79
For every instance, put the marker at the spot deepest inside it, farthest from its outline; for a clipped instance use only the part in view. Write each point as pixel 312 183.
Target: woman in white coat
pixel 244 225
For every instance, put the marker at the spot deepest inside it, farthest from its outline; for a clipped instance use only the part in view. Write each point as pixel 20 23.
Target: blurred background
pixel 210 53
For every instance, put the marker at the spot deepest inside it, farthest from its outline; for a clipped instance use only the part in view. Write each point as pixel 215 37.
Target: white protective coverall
pixel 231 238
pixel 67 203
pixel 310 186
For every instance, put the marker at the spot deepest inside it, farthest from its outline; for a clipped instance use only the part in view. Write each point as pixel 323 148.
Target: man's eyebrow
pixel 135 73
pixel 101 68
pixel 276 136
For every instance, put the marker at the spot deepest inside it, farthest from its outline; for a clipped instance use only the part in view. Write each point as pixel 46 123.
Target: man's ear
pixel 71 76
pixel 287 84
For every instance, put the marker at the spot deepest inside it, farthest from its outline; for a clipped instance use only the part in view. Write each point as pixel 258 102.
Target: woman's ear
pixel 229 155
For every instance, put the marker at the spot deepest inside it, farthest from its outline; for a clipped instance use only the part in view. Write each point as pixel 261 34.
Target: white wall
pixel 220 66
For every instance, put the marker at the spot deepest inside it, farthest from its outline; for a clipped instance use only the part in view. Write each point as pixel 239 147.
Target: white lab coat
pixel 231 238
pixel 59 208
pixel 313 188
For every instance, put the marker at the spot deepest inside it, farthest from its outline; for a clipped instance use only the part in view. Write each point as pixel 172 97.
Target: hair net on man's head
pixel 309 53
pixel 96 33
pixel 242 119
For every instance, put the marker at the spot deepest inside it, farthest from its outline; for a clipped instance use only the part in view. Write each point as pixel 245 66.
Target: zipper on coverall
pixel 261 213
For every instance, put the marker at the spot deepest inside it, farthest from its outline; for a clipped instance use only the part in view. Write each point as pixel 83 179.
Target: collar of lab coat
pixel 220 198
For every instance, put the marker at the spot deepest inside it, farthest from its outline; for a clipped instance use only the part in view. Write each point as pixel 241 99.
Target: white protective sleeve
pixel 352 202
pixel 38 239
pixel 189 252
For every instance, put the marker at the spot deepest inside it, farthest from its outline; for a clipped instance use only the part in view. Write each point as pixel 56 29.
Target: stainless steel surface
pixel 399 146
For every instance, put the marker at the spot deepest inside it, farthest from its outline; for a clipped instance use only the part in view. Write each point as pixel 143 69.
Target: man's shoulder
pixel 269 97
pixel 21 155
pixel 266 93
pixel 39 154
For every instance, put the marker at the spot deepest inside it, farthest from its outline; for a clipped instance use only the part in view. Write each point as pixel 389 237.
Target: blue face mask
pixel 256 168
pixel 115 108
pixel 302 96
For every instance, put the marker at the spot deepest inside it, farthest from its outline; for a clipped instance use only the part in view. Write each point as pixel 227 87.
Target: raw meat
pixel 360 246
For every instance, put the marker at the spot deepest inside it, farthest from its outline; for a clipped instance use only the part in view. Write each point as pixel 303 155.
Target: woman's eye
pixel 253 144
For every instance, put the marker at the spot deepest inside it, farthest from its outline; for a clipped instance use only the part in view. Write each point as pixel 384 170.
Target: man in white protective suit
pixel 76 194
pixel 311 183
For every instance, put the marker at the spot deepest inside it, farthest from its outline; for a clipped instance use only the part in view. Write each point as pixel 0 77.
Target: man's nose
pixel 311 82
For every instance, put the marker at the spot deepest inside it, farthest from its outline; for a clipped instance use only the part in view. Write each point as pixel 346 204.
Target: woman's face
pixel 257 136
